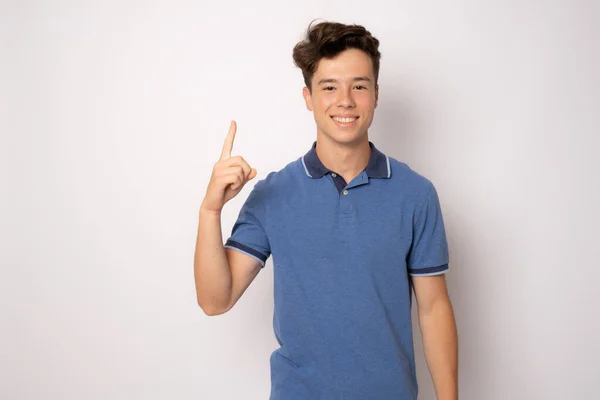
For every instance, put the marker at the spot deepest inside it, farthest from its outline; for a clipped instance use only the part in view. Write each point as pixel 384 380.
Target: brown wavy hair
pixel 327 40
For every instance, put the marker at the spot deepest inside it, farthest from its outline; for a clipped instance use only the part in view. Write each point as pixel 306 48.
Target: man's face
pixel 344 96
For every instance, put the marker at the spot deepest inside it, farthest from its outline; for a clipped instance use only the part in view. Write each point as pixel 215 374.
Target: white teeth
pixel 344 120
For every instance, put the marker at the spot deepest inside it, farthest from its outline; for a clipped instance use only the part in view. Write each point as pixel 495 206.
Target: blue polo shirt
pixel 343 254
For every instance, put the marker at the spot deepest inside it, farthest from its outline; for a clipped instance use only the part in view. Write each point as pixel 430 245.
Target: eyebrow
pixel 358 78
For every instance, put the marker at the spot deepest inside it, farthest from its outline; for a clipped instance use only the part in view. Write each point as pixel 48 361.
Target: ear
pixel 307 98
pixel 376 95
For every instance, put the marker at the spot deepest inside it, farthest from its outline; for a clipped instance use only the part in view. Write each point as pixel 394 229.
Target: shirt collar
pixel 378 166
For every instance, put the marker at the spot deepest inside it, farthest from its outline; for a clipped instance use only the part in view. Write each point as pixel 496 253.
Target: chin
pixel 346 137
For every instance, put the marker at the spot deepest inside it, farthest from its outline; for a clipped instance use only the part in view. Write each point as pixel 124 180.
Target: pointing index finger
pixel 228 145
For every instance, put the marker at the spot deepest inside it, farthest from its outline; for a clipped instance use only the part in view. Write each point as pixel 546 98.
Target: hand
pixel 229 176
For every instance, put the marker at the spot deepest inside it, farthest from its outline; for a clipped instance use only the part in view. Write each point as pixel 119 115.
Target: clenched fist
pixel 229 176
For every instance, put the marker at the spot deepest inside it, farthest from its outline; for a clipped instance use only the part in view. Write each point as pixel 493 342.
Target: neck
pixel 345 159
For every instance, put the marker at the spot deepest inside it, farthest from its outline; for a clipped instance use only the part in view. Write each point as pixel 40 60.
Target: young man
pixel 351 231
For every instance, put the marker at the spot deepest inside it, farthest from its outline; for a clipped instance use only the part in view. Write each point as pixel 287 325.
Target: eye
pixel 360 86
pixel 328 88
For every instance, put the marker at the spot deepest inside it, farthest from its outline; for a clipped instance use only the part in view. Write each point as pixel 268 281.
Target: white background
pixel 113 113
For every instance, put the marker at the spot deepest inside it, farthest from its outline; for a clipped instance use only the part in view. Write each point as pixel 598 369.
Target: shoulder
pixel 277 182
pixel 409 180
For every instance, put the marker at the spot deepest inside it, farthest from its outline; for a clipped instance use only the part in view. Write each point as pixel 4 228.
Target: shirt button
pixel 345 192
pixel 333 174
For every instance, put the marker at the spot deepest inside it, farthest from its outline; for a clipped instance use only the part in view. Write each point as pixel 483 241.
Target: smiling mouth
pixel 344 121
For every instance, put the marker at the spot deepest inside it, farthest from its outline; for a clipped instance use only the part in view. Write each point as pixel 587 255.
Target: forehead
pixel 347 64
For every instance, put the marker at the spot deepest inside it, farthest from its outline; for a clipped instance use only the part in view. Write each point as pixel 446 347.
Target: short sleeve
pixel 248 234
pixel 428 254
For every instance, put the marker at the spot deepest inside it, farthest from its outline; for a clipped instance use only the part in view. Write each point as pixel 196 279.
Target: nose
pixel 346 100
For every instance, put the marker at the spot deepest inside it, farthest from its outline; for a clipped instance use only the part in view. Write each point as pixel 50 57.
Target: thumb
pixel 253 174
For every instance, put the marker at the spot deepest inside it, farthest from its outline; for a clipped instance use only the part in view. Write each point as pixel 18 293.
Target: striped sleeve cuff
pixel 257 255
pixel 441 269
